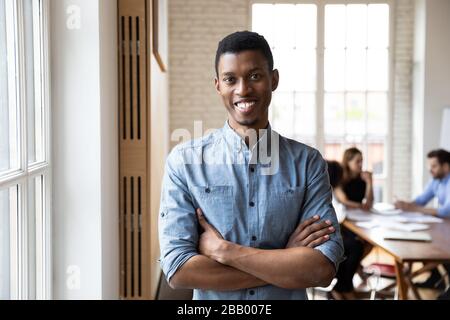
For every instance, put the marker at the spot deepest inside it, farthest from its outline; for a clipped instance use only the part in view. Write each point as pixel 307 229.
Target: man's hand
pixel 406 206
pixel 310 234
pixel 210 241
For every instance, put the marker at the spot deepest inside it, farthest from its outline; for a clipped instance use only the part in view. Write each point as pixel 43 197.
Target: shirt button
pixel 254 238
pixel 207 190
pixel 252 204
pixel 252 292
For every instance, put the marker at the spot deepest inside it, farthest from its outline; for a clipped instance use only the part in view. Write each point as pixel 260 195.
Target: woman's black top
pixel 355 189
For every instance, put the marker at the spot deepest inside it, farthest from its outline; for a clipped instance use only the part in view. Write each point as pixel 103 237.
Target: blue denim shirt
pixel 251 201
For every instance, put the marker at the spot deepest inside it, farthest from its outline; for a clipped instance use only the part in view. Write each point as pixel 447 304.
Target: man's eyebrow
pixel 255 69
pixel 232 73
pixel 227 74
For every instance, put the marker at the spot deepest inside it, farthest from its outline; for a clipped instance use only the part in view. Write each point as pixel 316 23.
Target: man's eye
pixel 255 76
pixel 228 79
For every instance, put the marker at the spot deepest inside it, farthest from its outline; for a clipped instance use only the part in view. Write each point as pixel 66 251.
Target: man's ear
pixel 275 79
pixel 217 85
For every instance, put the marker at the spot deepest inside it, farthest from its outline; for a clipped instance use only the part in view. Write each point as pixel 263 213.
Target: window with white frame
pixel 24 151
pixel 334 87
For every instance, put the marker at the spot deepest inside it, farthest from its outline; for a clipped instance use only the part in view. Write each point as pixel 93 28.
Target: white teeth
pixel 244 106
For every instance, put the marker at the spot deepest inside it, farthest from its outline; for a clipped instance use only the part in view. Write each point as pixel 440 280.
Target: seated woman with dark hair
pixel 355 192
pixel 356 189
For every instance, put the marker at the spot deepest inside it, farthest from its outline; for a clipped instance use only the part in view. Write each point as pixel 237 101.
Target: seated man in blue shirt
pixel 439 186
pixel 234 203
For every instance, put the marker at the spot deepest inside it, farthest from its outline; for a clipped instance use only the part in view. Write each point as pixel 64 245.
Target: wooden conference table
pixel 406 253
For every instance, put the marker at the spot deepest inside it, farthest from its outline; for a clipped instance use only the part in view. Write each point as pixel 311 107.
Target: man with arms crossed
pixel 238 226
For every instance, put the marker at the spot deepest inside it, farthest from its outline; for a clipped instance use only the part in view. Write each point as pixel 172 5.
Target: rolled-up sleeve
pixel 178 230
pixel 318 201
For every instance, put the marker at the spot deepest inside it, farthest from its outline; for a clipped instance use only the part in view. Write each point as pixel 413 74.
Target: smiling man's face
pixel 245 84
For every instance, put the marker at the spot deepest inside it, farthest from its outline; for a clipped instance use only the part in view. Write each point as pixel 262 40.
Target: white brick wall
pixel 195 28
pixel 402 108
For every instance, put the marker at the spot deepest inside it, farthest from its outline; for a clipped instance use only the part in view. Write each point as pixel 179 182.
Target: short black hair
pixel 335 172
pixel 242 41
pixel 443 156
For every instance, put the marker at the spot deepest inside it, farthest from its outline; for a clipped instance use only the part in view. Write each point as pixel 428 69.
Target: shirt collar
pixel 234 140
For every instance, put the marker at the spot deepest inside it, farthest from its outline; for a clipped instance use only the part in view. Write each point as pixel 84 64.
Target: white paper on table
pixel 403 235
pixel 385 209
pixel 367 224
pixel 387 212
pixel 403 226
pixel 416 217
pixel 358 215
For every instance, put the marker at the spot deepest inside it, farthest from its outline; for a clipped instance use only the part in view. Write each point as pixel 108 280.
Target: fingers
pixel 207 227
pixel 311 229
pixel 304 224
pixel 319 241
pixel 202 220
pixel 322 234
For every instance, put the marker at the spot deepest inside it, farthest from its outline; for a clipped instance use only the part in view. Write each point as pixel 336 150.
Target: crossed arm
pixel 225 266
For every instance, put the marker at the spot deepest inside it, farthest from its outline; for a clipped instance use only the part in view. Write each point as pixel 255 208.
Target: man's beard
pixel 438 175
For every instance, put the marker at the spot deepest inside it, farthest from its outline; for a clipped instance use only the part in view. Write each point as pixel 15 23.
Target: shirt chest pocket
pixel 217 204
pixel 282 213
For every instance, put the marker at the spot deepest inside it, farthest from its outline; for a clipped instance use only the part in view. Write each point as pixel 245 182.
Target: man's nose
pixel 243 88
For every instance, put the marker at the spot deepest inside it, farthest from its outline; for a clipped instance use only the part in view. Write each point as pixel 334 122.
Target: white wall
pixel 195 28
pixel 402 102
pixel 85 151
pixel 432 81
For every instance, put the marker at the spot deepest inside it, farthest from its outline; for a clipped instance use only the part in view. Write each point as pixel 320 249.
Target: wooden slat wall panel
pixel 134 151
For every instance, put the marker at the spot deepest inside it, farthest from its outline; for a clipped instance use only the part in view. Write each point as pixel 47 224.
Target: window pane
pixel 377 114
pixel 355 75
pixel 335 26
pixel 378 26
pixel 35 241
pixel 5 291
pixel 283 113
pixel 334 150
pixel 33 81
pixel 284 26
pixel 288 67
pixel 334 69
pixel 375 157
pixel 305 75
pixel 377 63
pixel 8 213
pixel 263 20
pixel 379 188
pixel 356 26
pixel 305 117
pixel 305 26
pixel 355 115
pixel 9 149
pixel 334 115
